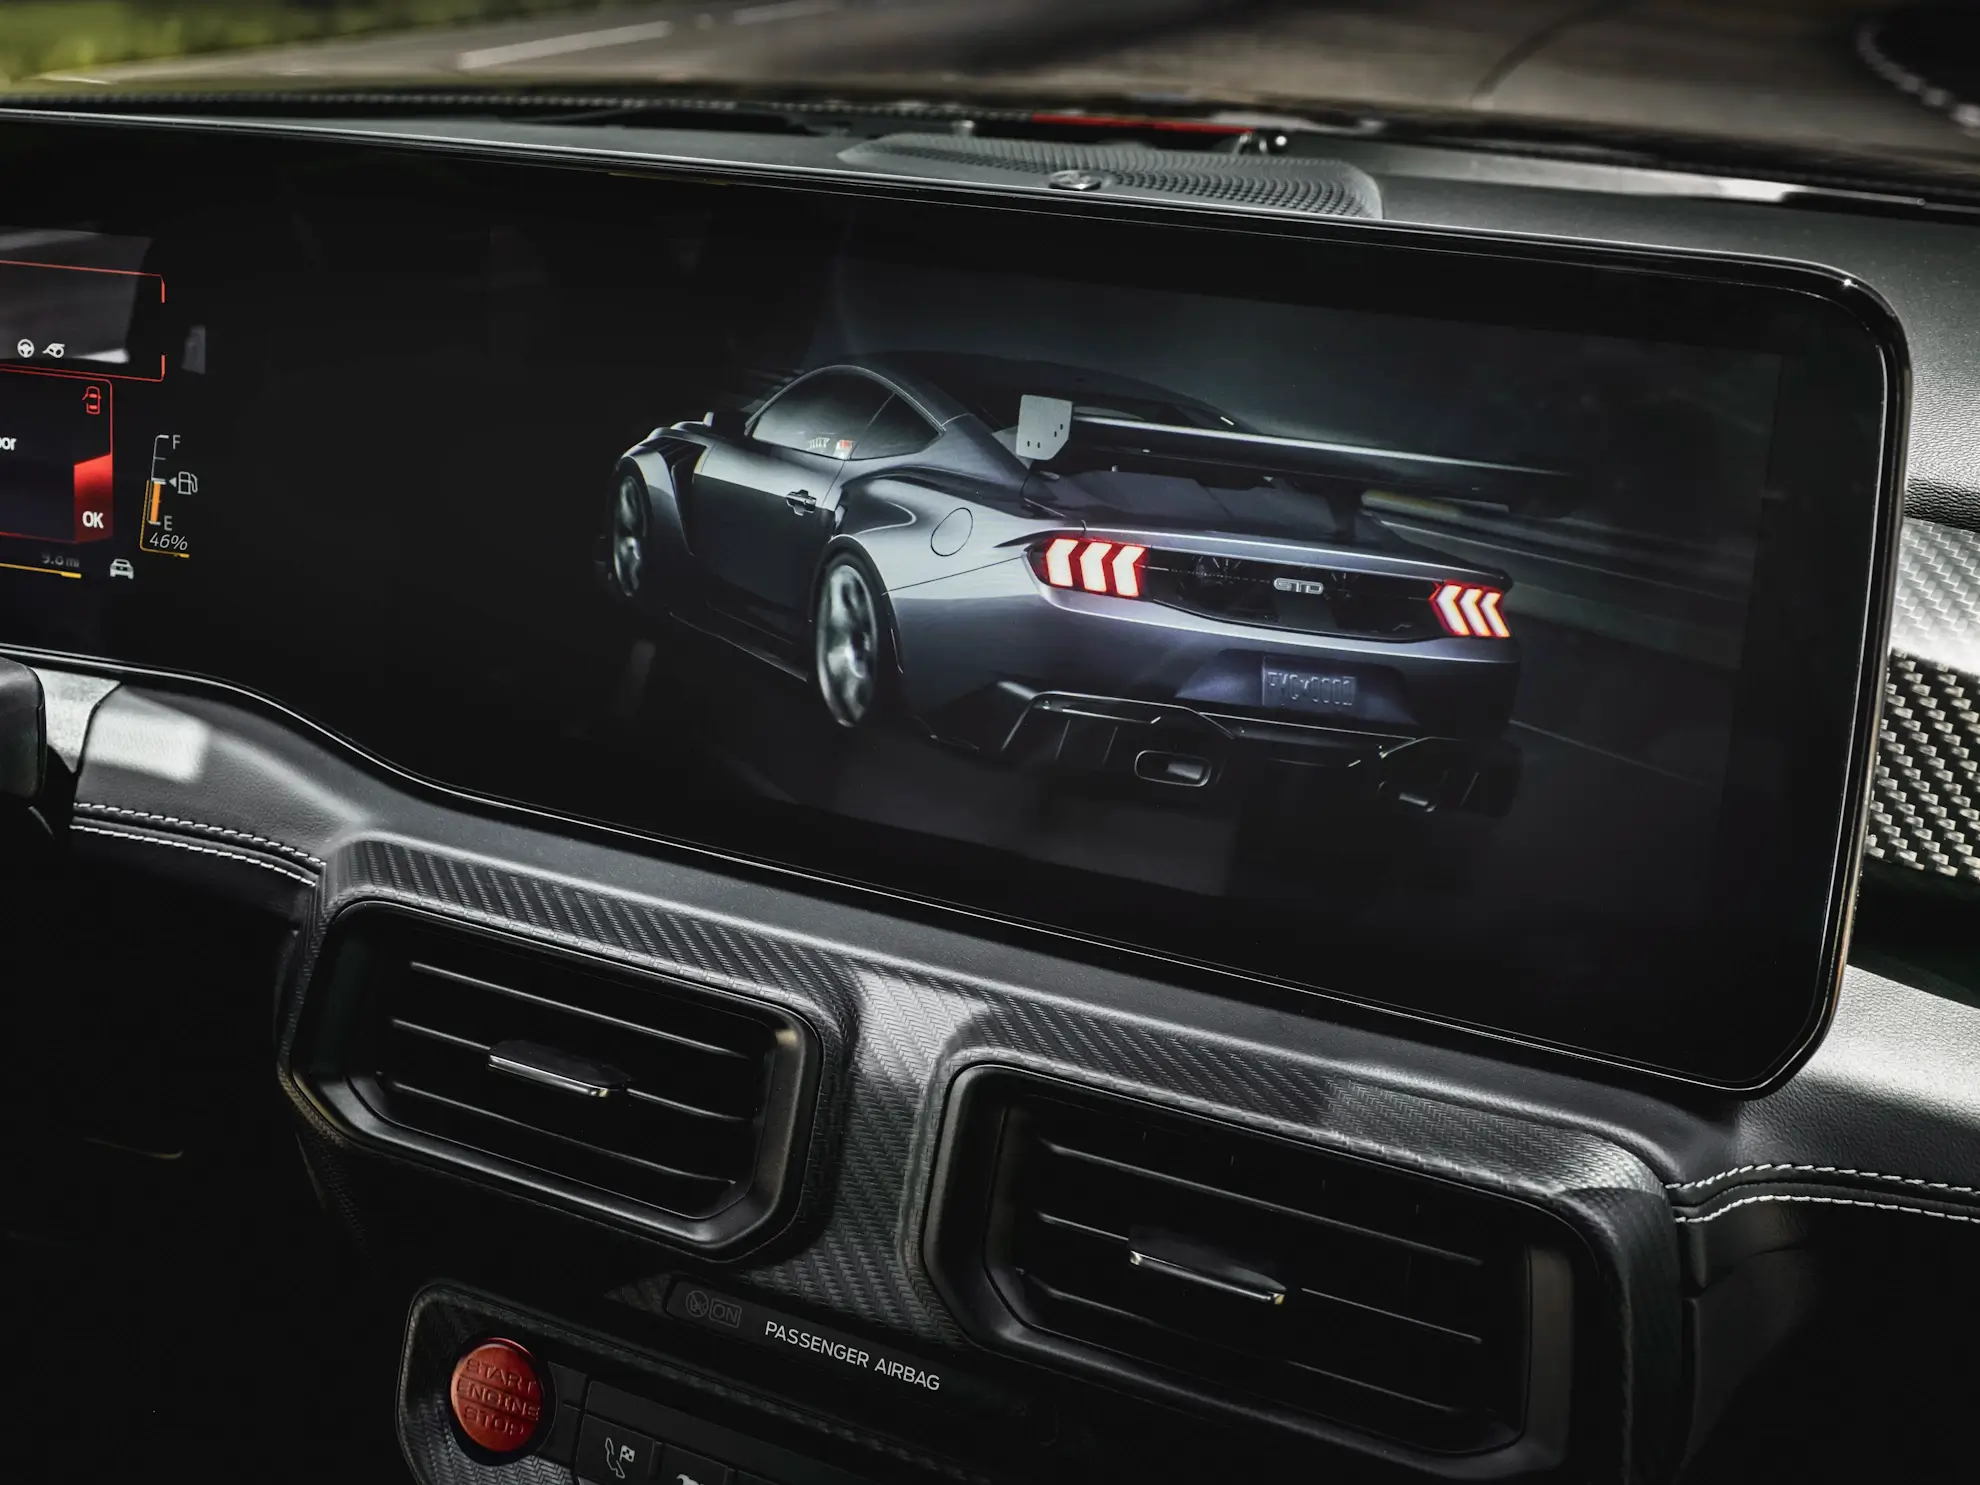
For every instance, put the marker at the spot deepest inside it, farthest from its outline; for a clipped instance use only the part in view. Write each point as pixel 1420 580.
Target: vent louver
pixel 673 1105
pixel 1246 1269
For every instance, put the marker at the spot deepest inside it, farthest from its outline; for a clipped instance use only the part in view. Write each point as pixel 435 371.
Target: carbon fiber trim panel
pixel 1936 614
pixel 908 1032
pixel 1925 802
pixel 1925 806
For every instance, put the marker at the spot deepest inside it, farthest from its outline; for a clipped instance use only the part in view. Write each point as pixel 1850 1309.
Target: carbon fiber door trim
pixel 1925 801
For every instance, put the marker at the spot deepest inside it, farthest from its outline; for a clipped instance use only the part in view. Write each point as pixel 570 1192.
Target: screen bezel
pixel 1810 678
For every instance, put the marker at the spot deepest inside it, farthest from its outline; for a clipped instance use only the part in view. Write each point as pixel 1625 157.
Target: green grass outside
pixel 38 36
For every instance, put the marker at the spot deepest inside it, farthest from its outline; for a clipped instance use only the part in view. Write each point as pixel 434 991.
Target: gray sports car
pixel 1047 565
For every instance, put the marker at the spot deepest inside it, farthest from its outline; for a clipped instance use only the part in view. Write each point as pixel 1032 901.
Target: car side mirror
pixel 726 422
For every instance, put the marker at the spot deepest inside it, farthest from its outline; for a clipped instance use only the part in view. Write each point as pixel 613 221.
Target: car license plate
pixel 1307 690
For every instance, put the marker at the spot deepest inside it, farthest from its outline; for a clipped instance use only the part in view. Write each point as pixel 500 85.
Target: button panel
pixel 679 1467
pixel 612 1454
pixel 509 1403
pixel 560 1442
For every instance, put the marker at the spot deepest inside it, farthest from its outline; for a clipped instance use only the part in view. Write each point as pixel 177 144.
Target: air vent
pixel 677 1107
pixel 1244 1270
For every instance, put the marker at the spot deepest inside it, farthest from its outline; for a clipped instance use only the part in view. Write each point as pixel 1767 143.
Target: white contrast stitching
pixel 200 825
pixel 1824 1170
pixel 186 845
pixel 1834 1201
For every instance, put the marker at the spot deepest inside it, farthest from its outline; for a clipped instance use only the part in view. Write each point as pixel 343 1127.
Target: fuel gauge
pixel 169 499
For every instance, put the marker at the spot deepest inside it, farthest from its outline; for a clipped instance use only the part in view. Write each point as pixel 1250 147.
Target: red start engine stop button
pixel 497 1395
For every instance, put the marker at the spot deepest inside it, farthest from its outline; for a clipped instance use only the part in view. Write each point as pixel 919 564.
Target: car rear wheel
pixel 628 533
pixel 849 643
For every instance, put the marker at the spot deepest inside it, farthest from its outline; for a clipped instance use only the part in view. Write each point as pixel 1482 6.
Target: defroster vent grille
pixel 1315 187
pixel 675 1105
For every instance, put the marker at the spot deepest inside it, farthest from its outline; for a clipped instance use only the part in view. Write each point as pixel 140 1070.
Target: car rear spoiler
pixel 1048 425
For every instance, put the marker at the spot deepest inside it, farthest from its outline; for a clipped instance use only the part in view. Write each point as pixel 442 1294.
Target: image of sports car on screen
pixel 1049 566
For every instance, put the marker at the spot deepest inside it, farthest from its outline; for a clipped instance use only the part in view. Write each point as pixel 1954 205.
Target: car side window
pixel 821 415
pixel 897 429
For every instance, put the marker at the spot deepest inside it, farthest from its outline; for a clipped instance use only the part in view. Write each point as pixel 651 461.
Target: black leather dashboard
pixel 1880 1121
pixel 1880 1105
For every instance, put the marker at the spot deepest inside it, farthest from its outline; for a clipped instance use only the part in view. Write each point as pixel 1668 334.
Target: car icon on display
pixel 1050 566
pixel 120 567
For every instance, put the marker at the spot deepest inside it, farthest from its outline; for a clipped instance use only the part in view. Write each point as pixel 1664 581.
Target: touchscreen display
pixel 1421 633
pixel 1423 630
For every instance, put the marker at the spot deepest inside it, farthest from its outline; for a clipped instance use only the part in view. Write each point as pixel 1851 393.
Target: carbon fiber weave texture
pixel 909 1032
pixel 1925 800
pixel 1936 613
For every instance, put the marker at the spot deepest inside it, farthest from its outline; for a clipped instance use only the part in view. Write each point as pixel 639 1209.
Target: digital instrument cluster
pixel 96 470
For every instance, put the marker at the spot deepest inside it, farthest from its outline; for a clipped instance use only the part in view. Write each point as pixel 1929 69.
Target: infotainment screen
pixel 1462 629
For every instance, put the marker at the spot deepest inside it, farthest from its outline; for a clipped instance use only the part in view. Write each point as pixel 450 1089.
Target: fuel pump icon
pixel 164 516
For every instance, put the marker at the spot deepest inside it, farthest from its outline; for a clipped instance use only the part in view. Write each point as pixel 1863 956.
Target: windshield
pixel 1890 82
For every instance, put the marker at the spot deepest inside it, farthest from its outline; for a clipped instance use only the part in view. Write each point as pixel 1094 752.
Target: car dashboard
pixel 1009 801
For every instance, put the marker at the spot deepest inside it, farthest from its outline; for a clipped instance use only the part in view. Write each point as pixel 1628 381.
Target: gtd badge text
pixel 1299 585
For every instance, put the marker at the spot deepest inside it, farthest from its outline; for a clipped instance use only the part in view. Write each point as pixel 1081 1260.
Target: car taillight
pixel 1469 611
pixel 1092 565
